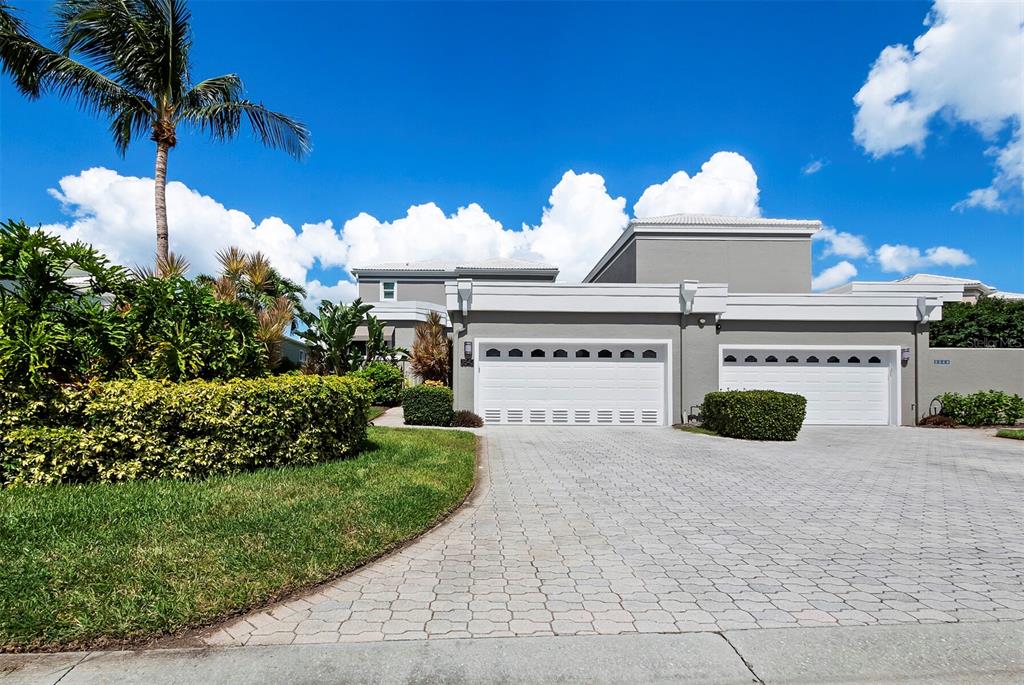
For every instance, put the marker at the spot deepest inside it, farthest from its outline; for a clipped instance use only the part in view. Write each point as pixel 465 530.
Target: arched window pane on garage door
pixel 812 359
pixel 582 353
pixel 604 354
pixel 627 354
pixel 750 359
pixel 833 360
pixel 853 360
pixel 729 359
pixel 791 359
pixel 537 353
pixel 492 353
pixel 771 359
pixel 651 354
pixel 515 352
pixel 560 354
pixel 874 360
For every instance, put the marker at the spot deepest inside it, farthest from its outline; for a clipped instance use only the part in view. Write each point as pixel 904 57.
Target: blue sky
pixel 492 103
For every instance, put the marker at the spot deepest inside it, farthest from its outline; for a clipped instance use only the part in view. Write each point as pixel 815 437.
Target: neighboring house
pixel 293 350
pixel 678 306
pixel 953 289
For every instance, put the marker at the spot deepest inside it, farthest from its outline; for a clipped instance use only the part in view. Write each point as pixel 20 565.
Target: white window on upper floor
pixel 388 291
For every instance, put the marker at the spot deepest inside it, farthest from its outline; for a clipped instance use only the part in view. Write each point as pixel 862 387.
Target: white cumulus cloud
pixel 726 184
pixel 904 258
pixel 967 67
pixel 841 244
pixel 834 276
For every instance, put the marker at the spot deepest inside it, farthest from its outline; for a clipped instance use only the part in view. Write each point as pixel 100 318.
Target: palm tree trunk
pixel 160 190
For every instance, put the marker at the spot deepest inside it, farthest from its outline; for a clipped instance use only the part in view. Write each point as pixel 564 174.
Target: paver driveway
pixel 609 530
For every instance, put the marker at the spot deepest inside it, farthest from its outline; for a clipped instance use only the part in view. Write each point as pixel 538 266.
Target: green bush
pixel 754 414
pixel 388 382
pixel 131 430
pixel 991 322
pixel 428 405
pixel 986 408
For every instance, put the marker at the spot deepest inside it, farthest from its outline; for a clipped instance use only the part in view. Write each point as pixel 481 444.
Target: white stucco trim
pixel 628 298
pixel 831 307
pixel 891 352
pixel 409 310
pixel 946 292
pixel 667 342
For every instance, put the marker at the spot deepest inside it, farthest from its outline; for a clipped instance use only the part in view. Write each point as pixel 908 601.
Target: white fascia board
pixel 829 307
pixel 587 297
pixel 409 310
pixel 947 292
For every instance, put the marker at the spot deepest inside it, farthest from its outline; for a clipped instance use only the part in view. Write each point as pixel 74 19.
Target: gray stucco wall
pixel 768 266
pixel 419 291
pixel 700 349
pixel 622 268
pixel 970 370
pixel 560 325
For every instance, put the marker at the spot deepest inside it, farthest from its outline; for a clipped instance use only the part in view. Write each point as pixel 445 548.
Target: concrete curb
pixel 937 653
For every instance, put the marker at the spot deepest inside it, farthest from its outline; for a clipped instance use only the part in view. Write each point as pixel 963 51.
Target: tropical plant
pixel 182 331
pixel 130 60
pixel 250 280
pixel 330 337
pixel 60 318
pixel 990 322
pixel 388 382
pixel 431 350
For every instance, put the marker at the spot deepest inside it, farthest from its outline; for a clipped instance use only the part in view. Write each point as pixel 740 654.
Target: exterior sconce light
pixel 701 321
pixel 467 353
pixel 904 355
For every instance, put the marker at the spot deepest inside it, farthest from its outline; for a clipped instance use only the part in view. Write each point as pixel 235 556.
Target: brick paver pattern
pixel 617 530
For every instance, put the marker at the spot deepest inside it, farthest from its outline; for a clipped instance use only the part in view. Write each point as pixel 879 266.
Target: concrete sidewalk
pixel 936 653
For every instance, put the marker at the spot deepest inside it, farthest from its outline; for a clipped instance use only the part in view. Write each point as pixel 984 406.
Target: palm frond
pixel 222 120
pixel 9 21
pixel 212 91
pixel 232 261
pixel 174 266
pixel 128 124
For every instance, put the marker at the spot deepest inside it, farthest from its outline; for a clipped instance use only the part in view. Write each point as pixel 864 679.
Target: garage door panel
pixel 844 393
pixel 567 392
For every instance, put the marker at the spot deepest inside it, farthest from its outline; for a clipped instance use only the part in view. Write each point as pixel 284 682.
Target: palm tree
pixel 134 67
pixel 431 350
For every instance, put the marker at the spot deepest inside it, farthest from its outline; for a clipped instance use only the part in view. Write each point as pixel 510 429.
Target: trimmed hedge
pixel 428 405
pixel 985 408
pixel 466 419
pixel 754 414
pixel 388 382
pixel 142 429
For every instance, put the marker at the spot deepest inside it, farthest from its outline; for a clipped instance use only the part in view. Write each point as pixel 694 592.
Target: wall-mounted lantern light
pixel 904 355
pixel 467 349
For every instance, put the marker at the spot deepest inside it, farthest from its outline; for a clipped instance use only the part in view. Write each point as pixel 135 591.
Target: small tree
pixel 431 350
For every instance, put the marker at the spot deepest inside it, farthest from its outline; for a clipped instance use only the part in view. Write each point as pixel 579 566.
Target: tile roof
pixel 716 220
pixel 444 265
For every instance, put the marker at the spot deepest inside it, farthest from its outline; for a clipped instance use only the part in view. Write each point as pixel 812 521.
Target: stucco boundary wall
pixel 970 369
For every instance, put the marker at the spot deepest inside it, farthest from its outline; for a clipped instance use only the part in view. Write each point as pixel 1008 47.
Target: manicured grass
pixel 696 429
pixel 375 412
pixel 1012 433
pixel 97 564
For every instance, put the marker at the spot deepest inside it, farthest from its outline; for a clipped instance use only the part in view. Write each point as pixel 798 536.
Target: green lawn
pixel 375 412
pixel 97 564
pixel 1012 433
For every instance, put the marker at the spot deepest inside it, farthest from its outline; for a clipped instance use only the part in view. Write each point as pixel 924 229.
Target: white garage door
pixel 571 383
pixel 842 387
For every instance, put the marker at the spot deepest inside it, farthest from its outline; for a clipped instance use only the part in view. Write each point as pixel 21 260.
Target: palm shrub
pixel 430 356
pixel 130 61
pixel 250 280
